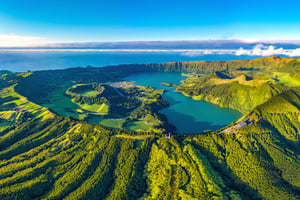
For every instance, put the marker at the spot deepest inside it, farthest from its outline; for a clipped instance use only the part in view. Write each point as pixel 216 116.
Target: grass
pixel 89 92
pixel 113 123
pixel 9 117
pixel 110 123
pixel 137 126
pixel 64 106
pixel 22 102
pixel 241 80
pixel 192 75
pixel 286 79
pixel 4 124
pixel 59 103
pixel 134 126
pixel 95 108
pixel 138 137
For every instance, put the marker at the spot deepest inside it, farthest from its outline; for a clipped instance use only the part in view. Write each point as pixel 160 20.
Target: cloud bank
pixel 185 48
pixel 262 50
pixel 258 50
pixel 18 40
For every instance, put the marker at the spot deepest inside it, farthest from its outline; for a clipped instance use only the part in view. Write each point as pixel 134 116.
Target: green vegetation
pixel 107 100
pixel 110 102
pixel 89 93
pixel 242 93
pixel 286 79
pixel 169 84
pixel 46 154
pixel 96 109
pixel 138 126
pixel 111 123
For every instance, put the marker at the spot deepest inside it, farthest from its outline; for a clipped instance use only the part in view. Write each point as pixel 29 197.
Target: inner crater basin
pixel 188 115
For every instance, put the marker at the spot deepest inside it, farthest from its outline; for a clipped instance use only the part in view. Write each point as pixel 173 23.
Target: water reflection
pixel 188 115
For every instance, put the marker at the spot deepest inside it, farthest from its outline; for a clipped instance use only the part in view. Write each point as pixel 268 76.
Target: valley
pixel 90 133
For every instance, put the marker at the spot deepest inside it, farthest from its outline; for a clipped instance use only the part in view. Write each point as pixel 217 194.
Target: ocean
pixel 32 61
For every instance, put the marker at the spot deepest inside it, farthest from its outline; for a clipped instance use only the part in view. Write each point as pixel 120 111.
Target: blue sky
pixel 147 20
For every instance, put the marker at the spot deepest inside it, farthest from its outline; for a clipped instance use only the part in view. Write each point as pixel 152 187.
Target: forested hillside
pixel 47 156
pixel 265 64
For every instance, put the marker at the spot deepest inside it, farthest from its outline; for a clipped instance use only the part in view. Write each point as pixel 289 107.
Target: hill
pixel 47 156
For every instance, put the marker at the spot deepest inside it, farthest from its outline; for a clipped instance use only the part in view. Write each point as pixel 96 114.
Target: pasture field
pixel 286 79
pixel 89 92
pixel 111 123
pixel 60 103
pixel 96 109
pixel 137 126
pixel 64 106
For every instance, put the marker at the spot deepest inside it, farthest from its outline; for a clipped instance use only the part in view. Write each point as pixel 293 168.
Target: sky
pixel 33 22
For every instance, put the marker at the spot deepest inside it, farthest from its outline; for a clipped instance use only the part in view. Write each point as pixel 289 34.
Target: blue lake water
pixel 188 115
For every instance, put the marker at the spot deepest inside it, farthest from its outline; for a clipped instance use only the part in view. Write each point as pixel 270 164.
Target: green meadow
pixel 89 92
pixel 111 123
pixel 286 79
pixel 137 126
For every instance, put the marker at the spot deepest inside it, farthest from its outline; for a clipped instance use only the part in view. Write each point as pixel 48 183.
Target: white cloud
pixel 258 50
pixel 295 52
pixel 29 41
pixel 19 41
pixel 262 50
pixel 198 53
pixel 241 51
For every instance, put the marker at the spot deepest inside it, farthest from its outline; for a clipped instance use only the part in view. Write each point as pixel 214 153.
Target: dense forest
pixel 47 156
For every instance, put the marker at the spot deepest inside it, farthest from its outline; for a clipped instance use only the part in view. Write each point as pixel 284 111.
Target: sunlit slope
pixel 258 161
pixel 269 75
pixel 281 114
pixel 45 156
pixel 266 64
pixel 237 84
pixel 237 92
pixel 67 159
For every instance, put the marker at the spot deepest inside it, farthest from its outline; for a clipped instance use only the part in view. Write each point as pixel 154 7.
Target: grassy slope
pixel 138 126
pixel 237 92
pixel 97 109
pixel 287 79
pixel 59 158
pixel 111 123
pixel 267 64
pixel 259 161
pixel 89 92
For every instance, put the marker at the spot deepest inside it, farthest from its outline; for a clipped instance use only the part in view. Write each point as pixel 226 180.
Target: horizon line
pixel 74 49
pixel 63 44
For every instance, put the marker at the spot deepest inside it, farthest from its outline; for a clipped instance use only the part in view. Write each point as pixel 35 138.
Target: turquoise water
pixel 188 115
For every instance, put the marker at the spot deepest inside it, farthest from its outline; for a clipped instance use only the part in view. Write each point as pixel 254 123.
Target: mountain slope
pixel 46 156
pixel 63 158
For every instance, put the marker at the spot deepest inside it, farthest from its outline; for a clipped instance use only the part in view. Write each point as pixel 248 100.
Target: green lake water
pixel 188 115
